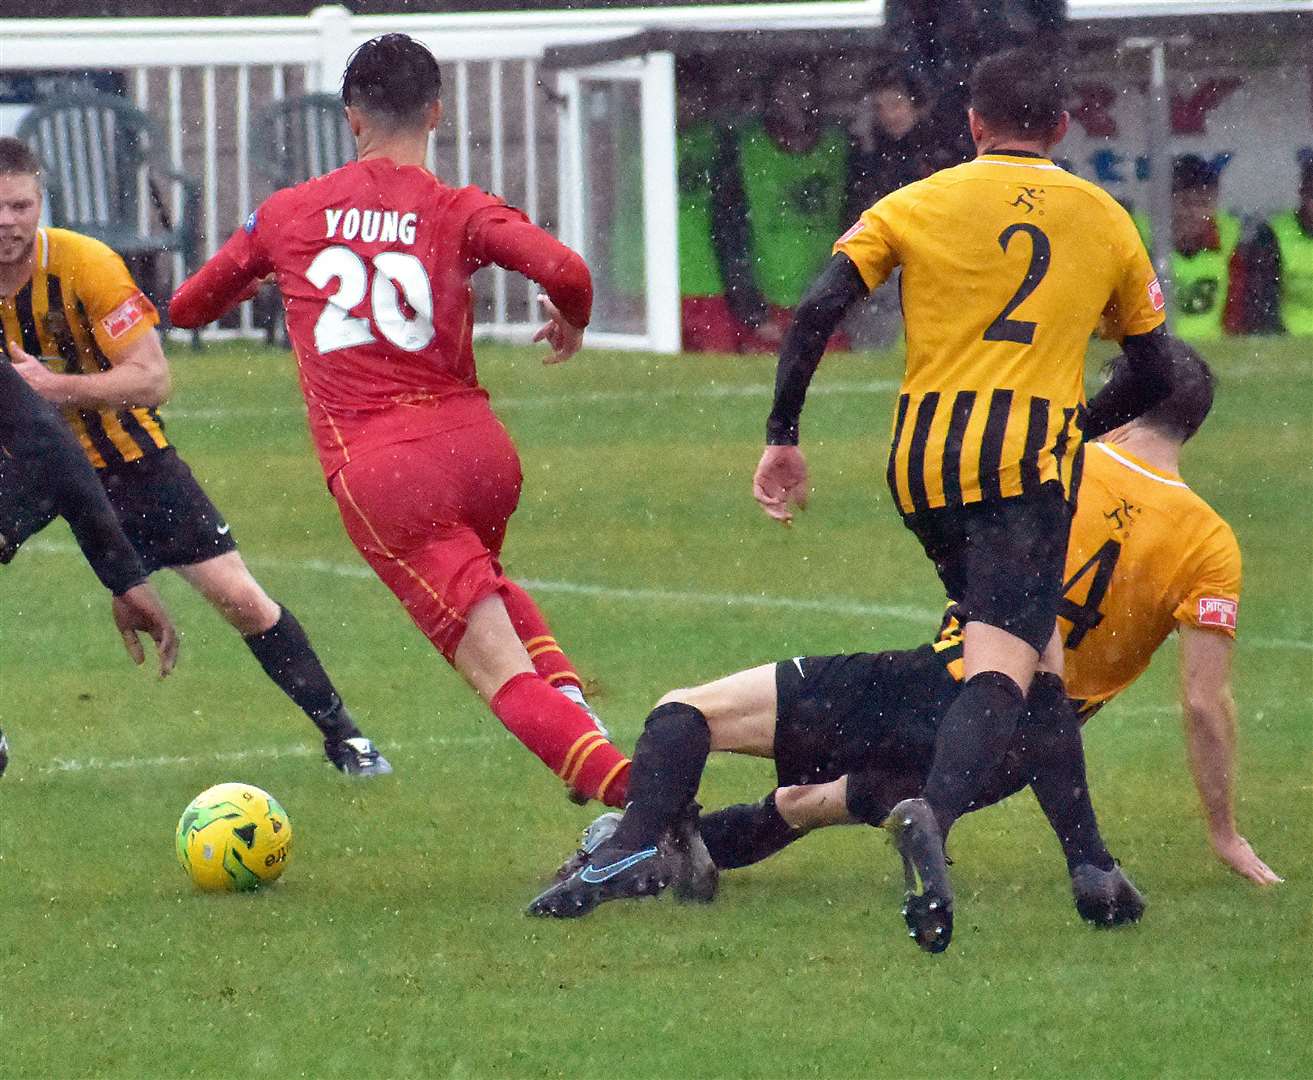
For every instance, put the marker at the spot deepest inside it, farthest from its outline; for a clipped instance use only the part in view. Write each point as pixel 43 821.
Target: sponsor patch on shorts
pixel 1218 611
pixel 124 317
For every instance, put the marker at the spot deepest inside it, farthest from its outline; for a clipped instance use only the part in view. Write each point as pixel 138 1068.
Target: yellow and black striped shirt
pixel 1009 264
pixel 78 312
pixel 1146 556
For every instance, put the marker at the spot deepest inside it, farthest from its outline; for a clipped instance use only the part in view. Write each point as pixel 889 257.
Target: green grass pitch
pixel 395 945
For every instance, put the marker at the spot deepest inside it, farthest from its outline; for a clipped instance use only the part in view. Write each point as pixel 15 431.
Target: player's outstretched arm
pixel 1209 711
pixel 230 277
pixel 139 376
pixel 30 425
pixel 506 237
pixel 1136 387
pixel 781 477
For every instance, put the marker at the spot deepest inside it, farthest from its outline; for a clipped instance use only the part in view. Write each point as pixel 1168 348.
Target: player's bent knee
pixel 696 696
pixel 248 611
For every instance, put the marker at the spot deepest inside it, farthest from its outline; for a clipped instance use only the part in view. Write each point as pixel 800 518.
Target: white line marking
pixel 710 391
pixel 61 766
pixel 928 617
pixel 73 765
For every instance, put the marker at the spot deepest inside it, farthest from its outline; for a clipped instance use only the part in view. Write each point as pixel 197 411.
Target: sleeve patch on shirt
pixel 1217 611
pixel 124 317
pixel 860 226
pixel 1156 295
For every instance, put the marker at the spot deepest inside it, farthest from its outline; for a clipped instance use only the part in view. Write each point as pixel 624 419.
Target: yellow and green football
pixel 234 838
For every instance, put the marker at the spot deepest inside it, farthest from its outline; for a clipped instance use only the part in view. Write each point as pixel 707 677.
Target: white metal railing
pixel 204 79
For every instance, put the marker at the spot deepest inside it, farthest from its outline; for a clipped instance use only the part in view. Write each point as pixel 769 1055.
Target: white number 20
pixel 337 329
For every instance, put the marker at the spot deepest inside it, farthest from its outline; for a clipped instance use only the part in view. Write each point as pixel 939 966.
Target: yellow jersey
pixel 1009 264
pixel 1146 555
pixel 78 312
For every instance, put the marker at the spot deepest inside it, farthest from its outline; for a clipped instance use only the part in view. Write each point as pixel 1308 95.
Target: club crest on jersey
pixel 1218 611
pixel 1156 295
pixel 124 317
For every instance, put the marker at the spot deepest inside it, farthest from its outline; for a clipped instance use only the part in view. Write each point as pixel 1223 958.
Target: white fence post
pixel 660 203
pixel 333 23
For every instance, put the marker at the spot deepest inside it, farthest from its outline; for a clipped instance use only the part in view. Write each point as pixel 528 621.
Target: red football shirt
pixel 373 261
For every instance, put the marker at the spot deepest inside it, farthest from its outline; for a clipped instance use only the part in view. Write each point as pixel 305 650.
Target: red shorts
pixel 429 515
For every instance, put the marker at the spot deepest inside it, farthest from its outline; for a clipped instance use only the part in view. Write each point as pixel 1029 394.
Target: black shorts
pixel 25 504
pixel 843 714
pixel 164 511
pixel 1001 561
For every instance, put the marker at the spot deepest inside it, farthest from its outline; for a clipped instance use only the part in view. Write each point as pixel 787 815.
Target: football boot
pixel 1106 897
pixel 929 914
pixel 356 757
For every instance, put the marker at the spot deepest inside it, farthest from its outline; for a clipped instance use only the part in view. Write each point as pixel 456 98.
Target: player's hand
pixel 781 480
pixel 39 377
pixel 563 336
pixel 1234 850
pixel 140 610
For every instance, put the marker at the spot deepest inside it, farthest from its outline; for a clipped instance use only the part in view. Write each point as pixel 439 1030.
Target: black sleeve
pixel 822 307
pixel 731 236
pixel 33 431
pixel 1136 387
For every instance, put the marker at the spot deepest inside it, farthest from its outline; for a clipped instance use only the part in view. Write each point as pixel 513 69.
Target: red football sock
pixel 548 658
pixel 563 737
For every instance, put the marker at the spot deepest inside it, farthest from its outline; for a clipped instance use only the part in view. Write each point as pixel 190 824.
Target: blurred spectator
pixel 1204 243
pixel 1280 268
pixel 892 144
pixel 1205 239
pixel 703 148
pixel 780 203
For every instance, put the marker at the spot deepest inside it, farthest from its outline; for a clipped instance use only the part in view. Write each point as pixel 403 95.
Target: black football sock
pixel 872 793
pixel 667 767
pixel 286 656
pixel 969 746
pixel 1057 765
pixel 747 833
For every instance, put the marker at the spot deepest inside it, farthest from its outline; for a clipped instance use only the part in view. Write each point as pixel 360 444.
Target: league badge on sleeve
pixel 124 317
pixel 858 227
pixel 1218 611
pixel 1156 297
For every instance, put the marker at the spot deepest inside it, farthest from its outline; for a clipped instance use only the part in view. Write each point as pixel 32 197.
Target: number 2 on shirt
pixel 337 329
pixel 1019 330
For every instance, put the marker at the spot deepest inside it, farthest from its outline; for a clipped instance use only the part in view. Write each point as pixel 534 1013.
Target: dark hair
pixel 1190 172
pixel 1187 405
pixel 1017 92
pixel 16 157
pixel 393 78
pixel 1306 178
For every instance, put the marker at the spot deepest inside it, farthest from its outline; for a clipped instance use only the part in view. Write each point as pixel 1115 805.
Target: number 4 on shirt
pixel 1084 617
